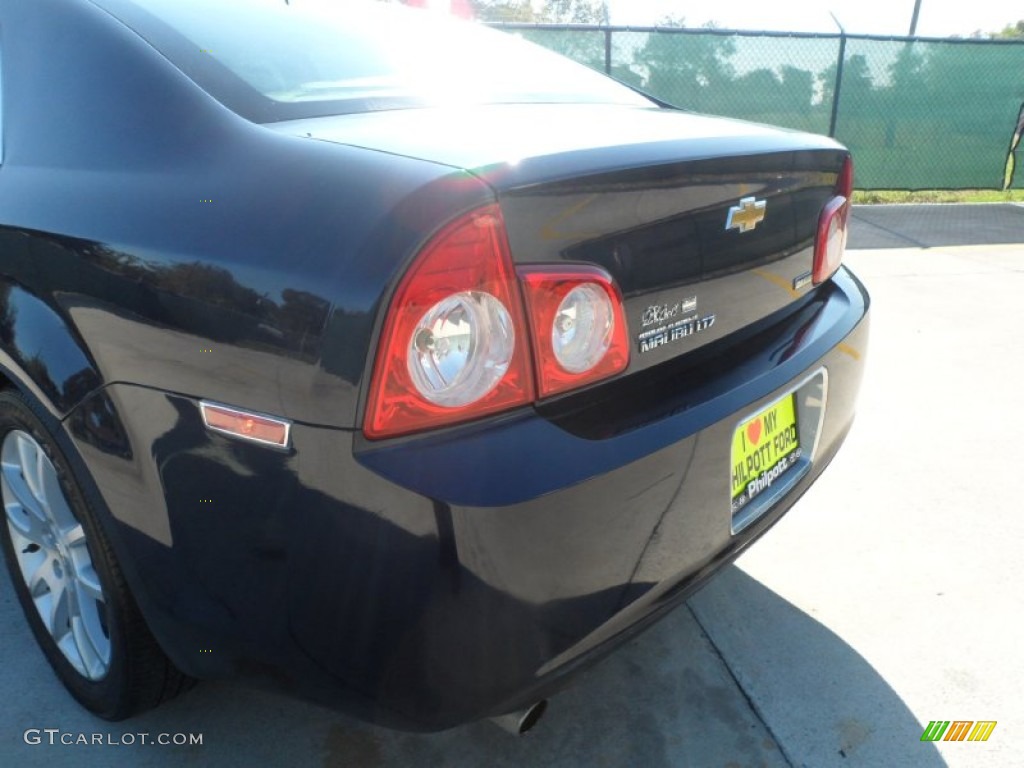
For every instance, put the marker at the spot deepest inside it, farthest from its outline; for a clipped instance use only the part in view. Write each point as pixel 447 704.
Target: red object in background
pixel 462 8
pixel 455 7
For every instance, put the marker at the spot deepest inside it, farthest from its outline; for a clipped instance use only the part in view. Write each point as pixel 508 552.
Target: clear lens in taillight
pixel 457 337
pixel 461 348
pixel 582 330
pixel 453 346
pixel 578 323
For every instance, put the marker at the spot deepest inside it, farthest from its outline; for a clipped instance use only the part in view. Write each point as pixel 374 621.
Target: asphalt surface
pixel 889 596
pixel 936 226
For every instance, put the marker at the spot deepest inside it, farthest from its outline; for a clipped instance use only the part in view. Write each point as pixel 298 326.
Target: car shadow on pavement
pixel 936 226
pixel 668 698
pixel 821 699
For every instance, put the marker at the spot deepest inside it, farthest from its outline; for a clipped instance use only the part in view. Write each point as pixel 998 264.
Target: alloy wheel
pixel 53 556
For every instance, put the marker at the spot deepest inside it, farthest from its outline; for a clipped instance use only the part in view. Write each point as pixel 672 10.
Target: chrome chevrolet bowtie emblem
pixel 747 215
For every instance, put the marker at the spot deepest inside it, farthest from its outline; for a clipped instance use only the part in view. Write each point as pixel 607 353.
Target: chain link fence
pixel 917 113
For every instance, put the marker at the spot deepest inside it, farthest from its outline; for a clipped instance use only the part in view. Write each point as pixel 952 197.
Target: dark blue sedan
pixel 386 359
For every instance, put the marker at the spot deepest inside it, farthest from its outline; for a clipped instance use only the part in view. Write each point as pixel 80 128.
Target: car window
pixel 271 60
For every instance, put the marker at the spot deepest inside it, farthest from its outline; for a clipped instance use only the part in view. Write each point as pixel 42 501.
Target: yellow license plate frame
pixel 764 448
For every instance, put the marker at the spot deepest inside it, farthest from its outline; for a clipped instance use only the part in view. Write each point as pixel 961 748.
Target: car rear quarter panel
pixel 447 577
pixel 175 252
pixel 184 248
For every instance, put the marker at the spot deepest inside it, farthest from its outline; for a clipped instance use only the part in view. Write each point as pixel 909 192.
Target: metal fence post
pixel 607 50
pixel 838 86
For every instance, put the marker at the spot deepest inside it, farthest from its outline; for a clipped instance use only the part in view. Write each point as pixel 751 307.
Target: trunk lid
pixel 647 194
pixel 663 232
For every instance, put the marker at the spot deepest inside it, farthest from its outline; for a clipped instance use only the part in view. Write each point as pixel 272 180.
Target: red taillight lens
pixel 454 344
pixel 844 184
pixel 830 243
pixel 579 328
pixel 831 239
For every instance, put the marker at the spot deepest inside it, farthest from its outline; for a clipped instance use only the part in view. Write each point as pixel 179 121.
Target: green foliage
pixel 857 84
pixel 687 70
pixel 551 12
pixel 942 115
pixel 797 90
pixel 585 46
pixel 1011 32
pixel 915 113
pixel 504 10
pixel 575 12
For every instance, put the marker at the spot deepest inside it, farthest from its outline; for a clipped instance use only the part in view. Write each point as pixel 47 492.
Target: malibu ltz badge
pixel 665 324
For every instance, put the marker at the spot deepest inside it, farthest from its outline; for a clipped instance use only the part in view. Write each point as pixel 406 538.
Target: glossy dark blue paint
pixel 419 612
pixel 467 465
pixel 163 204
pixel 38 348
pixel 424 581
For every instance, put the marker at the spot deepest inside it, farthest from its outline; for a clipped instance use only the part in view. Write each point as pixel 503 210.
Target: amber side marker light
pixel 255 427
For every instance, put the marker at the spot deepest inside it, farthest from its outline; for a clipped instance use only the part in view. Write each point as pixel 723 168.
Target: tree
pixel 486 10
pixel 857 89
pixel 585 46
pixel 1010 32
pixel 973 89
pixel 797 90
pixel 575 12
pixel 504 10
pixel 752 95
pixel 551 12
pixel 907 95
pixel 686 69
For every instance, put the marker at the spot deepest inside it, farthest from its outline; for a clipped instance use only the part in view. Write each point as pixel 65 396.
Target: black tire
pixel 135 674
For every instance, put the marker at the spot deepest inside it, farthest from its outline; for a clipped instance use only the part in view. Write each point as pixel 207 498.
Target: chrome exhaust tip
pixel 519 722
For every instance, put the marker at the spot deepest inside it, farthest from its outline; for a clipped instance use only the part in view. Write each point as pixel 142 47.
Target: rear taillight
pixel 579 329
pixel 454 344
pixel 456 341
pixel 830 242
pixel 844 184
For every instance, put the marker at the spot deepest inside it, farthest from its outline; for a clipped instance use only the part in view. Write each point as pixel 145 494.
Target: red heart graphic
pixel 754 431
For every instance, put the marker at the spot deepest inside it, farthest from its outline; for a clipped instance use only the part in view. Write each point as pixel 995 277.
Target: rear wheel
pixel 67 578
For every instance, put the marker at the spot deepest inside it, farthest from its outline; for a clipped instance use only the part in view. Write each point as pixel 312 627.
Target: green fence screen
pixel 917 113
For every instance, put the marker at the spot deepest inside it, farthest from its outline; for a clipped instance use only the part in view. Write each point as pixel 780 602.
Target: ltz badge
pixel 664 324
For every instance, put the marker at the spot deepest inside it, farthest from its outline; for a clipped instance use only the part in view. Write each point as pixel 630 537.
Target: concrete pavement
pixel 936 226
pixel 889 596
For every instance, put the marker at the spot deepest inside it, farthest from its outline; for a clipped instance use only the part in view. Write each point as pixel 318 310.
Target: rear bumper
pixel 430 581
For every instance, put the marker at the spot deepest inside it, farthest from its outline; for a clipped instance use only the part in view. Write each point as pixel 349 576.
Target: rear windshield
pixel 274 60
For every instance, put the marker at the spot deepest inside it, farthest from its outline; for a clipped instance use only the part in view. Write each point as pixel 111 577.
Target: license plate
pixel 763 448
